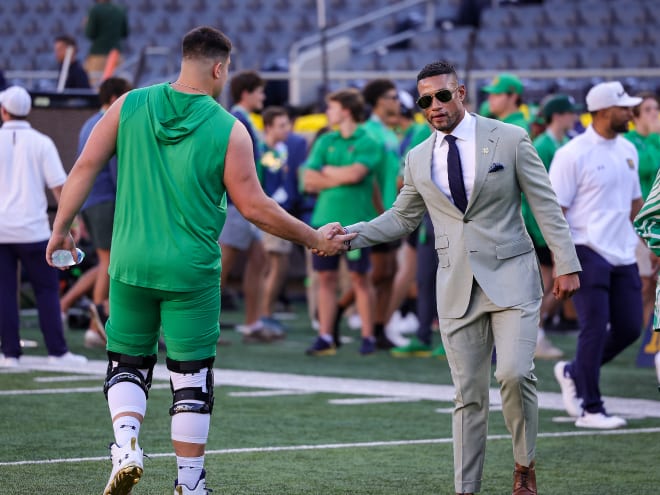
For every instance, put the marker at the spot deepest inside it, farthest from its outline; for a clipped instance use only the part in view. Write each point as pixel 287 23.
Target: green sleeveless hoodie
pixel 171 201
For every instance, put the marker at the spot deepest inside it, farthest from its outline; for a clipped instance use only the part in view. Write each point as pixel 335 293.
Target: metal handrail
pixel 315 39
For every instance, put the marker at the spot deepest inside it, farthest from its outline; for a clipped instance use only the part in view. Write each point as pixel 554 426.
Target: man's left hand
pixel 566 285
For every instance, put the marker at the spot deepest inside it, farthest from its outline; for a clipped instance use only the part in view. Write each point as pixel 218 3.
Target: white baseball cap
pixel 609 94
pixel 16 100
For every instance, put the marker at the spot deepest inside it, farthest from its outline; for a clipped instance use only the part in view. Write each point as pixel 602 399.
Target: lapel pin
pixel 484 151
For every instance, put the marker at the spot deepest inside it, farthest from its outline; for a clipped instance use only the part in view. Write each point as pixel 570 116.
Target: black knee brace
pixel 181 396
pixel 128 370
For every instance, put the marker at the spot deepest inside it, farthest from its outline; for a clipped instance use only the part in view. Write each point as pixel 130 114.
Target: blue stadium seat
pixel 490 60
pixel 628 36
pixel 637 58
pixel 562 16
pixel 526 37
pixel 597 58
pixel 558 37
pixel 652 37
pixel 530 16
pixel 492 38
pixel 458 39
pixel 526 59
pixel 595 14
pixel 629 13
pixel 496 18
pixel 560 59
pixel 592 37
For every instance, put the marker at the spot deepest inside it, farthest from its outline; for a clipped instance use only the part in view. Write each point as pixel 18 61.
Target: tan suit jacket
pixel 489 243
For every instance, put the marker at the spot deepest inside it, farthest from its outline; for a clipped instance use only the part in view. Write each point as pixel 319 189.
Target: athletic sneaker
pixel 67 358
pixel 8 362
pixel 200 489
pixel 273 324
pixel 415 348
pixel 568 390
pixel 321 348
pixel 368 346
pixel 126 468
pixel 439 352
pixel 601 421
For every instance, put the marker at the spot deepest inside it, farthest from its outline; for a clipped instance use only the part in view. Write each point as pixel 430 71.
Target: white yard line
pixel 628 407
pixel 329 446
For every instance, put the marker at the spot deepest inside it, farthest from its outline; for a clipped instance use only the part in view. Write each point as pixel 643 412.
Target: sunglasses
pixel 443 96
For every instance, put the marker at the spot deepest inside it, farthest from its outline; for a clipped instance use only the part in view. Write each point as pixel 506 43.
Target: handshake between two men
pixel 332 239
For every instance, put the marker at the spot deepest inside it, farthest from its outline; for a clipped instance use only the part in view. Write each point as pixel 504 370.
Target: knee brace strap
pixel 128 370
pixel 181 396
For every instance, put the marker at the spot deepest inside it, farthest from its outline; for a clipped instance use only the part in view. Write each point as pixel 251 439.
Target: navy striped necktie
pixel 455 174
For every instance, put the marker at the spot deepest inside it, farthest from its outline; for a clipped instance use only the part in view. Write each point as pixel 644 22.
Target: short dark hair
pixel 247 80
pixel 436 69
pixel 271 113
pixel 644 95
pixel 350 99
pixel 375 89
pixel 205 42
pixel 67 40
pixel 113 86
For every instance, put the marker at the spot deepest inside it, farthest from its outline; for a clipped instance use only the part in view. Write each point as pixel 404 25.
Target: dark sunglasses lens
pixel 444 95
pixel 425 101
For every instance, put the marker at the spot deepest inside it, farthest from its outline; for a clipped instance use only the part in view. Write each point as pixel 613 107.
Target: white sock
pixel 125 427
pixel 190 470
pixel 122 398
pixel 327 338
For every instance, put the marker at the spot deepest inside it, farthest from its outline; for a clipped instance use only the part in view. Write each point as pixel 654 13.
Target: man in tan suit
pixel 470 175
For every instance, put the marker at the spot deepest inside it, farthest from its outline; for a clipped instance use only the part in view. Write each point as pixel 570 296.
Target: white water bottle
pixel 62 258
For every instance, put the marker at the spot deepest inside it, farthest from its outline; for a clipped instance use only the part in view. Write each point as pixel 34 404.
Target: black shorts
pixel 98 220
pixel 358 261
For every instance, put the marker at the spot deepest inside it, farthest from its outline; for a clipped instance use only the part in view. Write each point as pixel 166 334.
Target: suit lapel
pixel 485 144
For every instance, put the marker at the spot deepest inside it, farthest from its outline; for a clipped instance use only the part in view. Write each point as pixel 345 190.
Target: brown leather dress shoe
pixel 524 480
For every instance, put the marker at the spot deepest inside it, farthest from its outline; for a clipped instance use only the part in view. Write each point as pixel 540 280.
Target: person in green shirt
pixel 382 97
pixel 505 98
pixel 646 138
pixel 106 27
pixel 178 153
pixel 340 169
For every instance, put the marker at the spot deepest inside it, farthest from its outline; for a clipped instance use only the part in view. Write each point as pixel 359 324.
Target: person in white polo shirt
pixel 29 163
pixel 596 181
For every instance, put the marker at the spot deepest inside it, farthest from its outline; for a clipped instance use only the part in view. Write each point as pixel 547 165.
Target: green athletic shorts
pixel 189 321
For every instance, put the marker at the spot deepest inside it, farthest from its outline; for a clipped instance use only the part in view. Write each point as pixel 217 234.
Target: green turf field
pixel 285 423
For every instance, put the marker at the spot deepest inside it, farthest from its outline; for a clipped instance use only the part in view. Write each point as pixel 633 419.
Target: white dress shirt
pixel 465 133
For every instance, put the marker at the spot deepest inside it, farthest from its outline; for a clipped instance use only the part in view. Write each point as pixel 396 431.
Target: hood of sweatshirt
pixel 175 115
